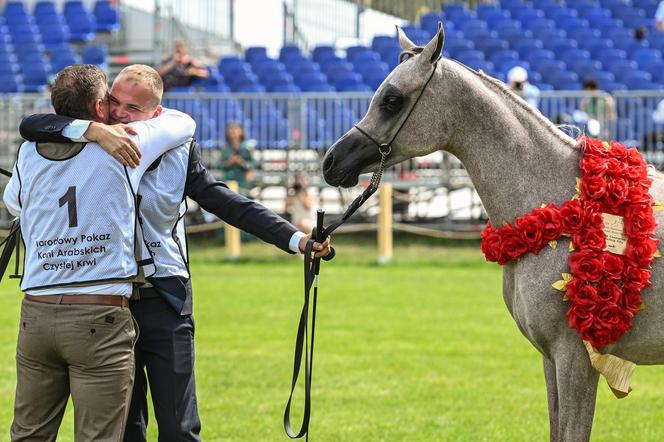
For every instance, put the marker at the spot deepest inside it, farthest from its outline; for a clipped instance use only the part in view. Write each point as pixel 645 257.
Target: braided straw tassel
pixel 616 371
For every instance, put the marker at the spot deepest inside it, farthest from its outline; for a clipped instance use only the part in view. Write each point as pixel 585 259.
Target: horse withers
pixel 517 160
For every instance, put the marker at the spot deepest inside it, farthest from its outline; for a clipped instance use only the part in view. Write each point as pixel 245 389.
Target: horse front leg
pixel 551 396
pixel 576 382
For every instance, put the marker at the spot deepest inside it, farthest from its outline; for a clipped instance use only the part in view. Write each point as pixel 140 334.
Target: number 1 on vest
pixel 69 198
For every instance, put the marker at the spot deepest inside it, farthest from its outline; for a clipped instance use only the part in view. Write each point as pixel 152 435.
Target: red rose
pixel 593 146
pixel 552 225
pixel 491 244
pixel 608 291
pixel 512 245
pixel 589 238
pixel 585 265
pixel 593 188
pixel 642 251
pixel 618 151
pixel 638 196
pixel 613 265
pixel 639 223
pixel 634 158
pixel 630 302
pixel 634 277
pixel 593 165
pixel 614 167
pixel 635 172
pixel 581 293
pixel 571 214
pixel 530 231
pixel 580 317
pixel 616 192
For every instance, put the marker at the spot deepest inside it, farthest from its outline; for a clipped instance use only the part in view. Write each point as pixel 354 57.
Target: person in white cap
pixel 517 78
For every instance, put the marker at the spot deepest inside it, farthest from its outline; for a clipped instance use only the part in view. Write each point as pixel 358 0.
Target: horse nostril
pixel 327 162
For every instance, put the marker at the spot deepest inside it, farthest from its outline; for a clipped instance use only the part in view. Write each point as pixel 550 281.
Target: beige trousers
pixel 83 350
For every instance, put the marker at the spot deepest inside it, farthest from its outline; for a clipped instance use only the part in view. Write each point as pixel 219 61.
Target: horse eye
pixel 392 102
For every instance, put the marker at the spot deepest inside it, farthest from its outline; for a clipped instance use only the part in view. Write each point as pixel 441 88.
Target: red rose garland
pixel 604 288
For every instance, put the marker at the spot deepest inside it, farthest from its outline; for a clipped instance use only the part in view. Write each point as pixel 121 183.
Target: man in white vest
pixel 77 212
pixel 165 349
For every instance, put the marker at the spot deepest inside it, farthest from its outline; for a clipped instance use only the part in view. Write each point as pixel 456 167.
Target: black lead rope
pixel 304 342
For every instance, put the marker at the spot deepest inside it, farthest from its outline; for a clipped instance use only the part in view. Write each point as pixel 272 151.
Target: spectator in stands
pixel 654 138
pixel 599 106
pixel 640 33
pixel 237 163
pixel 299 205
pixel 517 78
pixel 180 69
pixel 659 17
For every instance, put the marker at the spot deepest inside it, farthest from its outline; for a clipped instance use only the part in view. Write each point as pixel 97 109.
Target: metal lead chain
pixel 377 175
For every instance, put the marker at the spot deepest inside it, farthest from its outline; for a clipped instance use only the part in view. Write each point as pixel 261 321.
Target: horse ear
pixel 404 41
pixel 432 50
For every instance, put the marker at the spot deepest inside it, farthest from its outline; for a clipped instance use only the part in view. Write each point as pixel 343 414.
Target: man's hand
pixel 115 140
pixel 321 249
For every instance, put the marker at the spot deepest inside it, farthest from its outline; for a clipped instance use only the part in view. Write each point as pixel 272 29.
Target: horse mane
pixel 506 91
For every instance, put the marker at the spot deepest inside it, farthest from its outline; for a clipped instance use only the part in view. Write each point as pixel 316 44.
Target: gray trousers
pixel 83 350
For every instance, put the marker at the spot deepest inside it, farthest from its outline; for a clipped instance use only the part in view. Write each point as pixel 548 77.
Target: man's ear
pixel 158 110
pixel 101 110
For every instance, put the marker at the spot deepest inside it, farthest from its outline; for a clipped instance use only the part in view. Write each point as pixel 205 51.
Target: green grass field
pixel 421 349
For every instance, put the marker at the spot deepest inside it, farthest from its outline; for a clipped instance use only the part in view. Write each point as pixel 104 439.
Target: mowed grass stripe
pixel 422 349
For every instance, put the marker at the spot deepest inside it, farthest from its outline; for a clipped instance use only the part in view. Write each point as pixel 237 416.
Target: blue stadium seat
pixel 375 78
pixel 610 55
pixel 81 27
pixel 504 55
pixel 302 67
pixel 540 23
pixel 572 55
pixel 565 80
pixel 255 53
pixel 635 79
pixel 468 57
pixel 323 52
pixel 54 36
pixel 489 47
pixel 454 47
pixel 429 21
pixel 106 17
pixel 35 77
pixel 95 54
pixel 526 15
pixel 382 41
pixel 504 67
pixel 10 84
pixel 288 51
pixel 549 68
pixel 620 68
pixel 643 56
pixel 584 68
pixel 515 36
pixel 417 35
pixel 74 7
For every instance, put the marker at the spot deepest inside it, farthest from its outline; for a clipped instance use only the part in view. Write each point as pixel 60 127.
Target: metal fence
pixel 289 134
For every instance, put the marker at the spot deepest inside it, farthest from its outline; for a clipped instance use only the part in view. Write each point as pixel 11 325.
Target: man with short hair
pixel 77 212
pixel 165 348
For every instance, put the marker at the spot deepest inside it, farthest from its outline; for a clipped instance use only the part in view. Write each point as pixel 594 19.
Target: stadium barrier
pixel 290 133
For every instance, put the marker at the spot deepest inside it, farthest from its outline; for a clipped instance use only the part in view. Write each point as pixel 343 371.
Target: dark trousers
pixel 165 353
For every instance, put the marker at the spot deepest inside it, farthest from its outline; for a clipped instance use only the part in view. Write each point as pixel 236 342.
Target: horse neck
pixel 516 159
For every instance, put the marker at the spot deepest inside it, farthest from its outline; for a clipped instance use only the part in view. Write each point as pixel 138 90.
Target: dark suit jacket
pixel 212 195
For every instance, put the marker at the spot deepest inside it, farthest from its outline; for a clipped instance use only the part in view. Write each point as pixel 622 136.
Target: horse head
pixel 399 115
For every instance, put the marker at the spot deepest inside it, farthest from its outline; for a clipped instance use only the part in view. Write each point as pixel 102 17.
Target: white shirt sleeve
pixel 75 130
pixel 11 195
pixel 294 243
pixel 158 135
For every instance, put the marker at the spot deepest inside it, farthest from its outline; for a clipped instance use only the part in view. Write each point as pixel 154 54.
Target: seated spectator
pixel 299 205
pixel 601 107
pixel 180 69
pixel 654 138
pixel 517 78
pixel 237 162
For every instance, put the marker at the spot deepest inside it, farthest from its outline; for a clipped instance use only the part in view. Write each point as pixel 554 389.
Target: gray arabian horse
pixel 517 160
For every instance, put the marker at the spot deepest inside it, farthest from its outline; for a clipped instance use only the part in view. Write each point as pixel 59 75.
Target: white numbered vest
pixel 78 218
pixel 162 207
